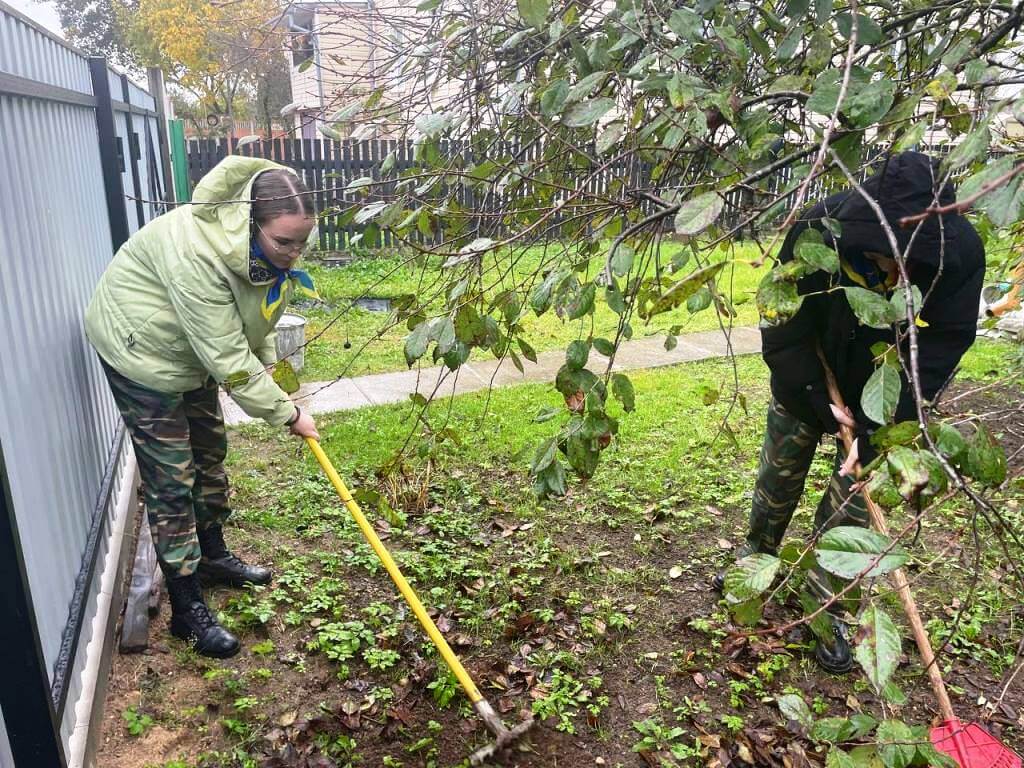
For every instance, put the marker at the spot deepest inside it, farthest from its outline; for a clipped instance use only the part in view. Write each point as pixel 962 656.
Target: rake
pixel 969 744
pixel 504 737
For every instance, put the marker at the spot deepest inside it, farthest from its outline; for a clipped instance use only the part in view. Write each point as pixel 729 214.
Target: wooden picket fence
pixel 330 166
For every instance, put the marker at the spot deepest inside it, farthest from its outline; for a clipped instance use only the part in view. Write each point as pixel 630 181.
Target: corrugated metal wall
pixel 57 419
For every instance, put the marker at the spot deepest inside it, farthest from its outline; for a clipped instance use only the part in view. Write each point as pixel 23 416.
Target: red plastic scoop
pixel 972 746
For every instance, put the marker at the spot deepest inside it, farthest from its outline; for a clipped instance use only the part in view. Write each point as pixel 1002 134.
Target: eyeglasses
pixel 283 245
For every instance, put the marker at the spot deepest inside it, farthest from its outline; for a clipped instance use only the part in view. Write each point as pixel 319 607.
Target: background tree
pixel 94 26
pixel 216 52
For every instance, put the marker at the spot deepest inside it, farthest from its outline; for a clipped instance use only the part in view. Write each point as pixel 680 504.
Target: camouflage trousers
pixel 180 444
pixel 786 456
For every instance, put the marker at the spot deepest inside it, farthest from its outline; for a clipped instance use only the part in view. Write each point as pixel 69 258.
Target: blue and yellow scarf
pixel 866 273
pixel 275 294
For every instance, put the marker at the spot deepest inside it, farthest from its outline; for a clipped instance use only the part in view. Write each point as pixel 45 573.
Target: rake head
pixel 972 746
pixel 504 738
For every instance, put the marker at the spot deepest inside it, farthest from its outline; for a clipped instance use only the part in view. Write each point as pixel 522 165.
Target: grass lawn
pixel 388 277
pixel 591 611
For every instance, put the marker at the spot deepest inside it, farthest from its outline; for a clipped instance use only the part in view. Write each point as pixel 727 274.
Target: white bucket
pixel 291 335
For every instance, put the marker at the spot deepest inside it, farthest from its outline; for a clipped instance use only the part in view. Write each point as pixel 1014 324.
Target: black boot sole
pixel 186 635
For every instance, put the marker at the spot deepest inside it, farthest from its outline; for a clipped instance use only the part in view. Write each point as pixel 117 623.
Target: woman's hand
pixel 304 426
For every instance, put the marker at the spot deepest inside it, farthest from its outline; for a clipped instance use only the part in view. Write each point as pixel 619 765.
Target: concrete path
pixel 381 388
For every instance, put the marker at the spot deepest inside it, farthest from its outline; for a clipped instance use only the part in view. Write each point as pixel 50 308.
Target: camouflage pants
pixel 786 456
pixel 180 444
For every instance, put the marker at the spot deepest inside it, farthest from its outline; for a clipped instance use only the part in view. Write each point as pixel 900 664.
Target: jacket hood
pixel 225 227
pixel 903 185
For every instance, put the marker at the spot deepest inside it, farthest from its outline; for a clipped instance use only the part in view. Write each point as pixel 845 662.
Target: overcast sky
pixel 42 13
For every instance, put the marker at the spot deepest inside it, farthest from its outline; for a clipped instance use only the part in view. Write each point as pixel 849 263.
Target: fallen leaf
pixel 288 718
pixel 724 544
pixel 675 572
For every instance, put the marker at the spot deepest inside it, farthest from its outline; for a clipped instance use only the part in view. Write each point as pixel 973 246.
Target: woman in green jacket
pixel 189 303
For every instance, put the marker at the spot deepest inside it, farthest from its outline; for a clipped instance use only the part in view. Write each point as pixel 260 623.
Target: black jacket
pixel 946 261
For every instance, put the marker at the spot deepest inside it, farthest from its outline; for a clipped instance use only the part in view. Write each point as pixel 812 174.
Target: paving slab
pixel 383 388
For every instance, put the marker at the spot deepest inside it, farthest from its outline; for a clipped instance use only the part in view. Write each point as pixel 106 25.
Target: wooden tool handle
pixel 899 578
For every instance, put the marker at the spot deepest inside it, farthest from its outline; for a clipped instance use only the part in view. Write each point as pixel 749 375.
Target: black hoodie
pixel 946 261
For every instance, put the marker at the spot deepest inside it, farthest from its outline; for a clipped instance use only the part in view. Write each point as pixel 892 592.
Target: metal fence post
pixel 116 211
pixel 29 717
pixel 156 90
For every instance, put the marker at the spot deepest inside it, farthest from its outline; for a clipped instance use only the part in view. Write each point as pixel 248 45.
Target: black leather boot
pixel 835 657
pixel 192 621
pixel 219 566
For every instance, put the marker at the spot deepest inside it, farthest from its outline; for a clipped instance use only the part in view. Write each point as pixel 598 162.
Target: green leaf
pixel 445 335
pixel 870 308
pixel 879 647
pixel 908 470
pixel 528 352
pixel 893 694
pixel 821 624
pixel 881 394
pixel 839 759
pixel 777 301
pixel 749 613
pixel 582 302
pixel 750 576
pixel 793 707
pixel 818 255
pixel 587 112
pixel 927 752
pixel 700 301
pixel 622 389
pixel 949 441
pixel 846 551
pixel 610 136
pixel 787 48
pixel 416 342
pixel 868 31
pixel 613 298
pixel 986 460
pixel 432 125
pixel 544 455
pixel 622 260
pixel 896 744
pixel 698 213
pixel 911 137
pixel 237 379
pixel 971 148
pixel 534 12
pixel 685 23
pixel 904 433
pixel 683 290
pixel 863 725
pixel 554 97
pixel 604 346
pixel 822 10
pixel 577 354
pixel 832 729
pixel 899 303
pixel 883 489
pixel 285 377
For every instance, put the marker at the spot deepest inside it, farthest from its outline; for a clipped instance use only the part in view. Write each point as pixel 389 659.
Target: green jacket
pixel 177 304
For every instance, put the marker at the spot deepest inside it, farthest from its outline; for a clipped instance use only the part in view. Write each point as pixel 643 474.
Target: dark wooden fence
pixel 330 166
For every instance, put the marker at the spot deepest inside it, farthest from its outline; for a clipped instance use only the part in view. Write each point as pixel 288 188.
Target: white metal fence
pixel 80 163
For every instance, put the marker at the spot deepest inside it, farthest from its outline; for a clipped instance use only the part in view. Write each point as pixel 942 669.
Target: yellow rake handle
pixel 396 575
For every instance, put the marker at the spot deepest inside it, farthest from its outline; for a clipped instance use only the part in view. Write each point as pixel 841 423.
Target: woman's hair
pixel 278 192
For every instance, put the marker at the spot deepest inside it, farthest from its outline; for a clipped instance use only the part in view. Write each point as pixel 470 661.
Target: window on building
pixel 303 49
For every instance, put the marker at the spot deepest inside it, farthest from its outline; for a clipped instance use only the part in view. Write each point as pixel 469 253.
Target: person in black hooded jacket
pixel 945 259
